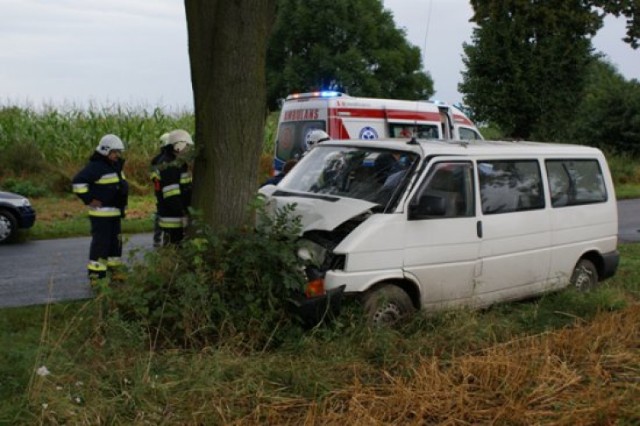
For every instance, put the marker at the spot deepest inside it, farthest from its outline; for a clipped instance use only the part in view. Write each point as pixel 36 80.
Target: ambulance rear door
pixel 297 119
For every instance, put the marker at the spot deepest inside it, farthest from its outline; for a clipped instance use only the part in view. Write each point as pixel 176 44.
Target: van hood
pixel 319 212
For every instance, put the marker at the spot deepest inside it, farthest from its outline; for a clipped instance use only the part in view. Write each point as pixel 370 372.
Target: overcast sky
pixel 76 52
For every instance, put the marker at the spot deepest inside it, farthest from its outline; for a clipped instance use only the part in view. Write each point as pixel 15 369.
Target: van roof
pixel 474 148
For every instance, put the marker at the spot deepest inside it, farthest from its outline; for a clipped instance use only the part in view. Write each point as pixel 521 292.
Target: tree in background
pixel 227 51
pixel 348 45
pixel 629 9
pixel 609 114
pixel 527 63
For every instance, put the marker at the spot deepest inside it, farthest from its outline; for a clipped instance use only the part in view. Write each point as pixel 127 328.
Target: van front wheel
pixel 387 305
pixel 585 276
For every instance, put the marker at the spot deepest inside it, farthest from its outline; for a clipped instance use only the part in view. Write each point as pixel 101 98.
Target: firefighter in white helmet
pixel 172 185
pixel 315 137
pixel 102 186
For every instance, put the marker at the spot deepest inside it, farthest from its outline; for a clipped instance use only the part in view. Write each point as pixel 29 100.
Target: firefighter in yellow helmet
pixel 172 185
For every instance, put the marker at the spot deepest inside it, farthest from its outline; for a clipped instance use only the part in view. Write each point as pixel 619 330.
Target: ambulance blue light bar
pixel 320 94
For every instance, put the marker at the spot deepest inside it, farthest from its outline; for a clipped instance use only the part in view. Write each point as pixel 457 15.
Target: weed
pixel 215 287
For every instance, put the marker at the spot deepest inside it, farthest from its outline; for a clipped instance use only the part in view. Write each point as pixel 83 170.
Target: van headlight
pixel 311 252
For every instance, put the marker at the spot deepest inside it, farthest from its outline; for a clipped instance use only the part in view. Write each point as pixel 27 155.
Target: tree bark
pixel 227 51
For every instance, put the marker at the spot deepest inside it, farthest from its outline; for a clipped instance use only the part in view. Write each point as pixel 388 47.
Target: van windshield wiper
pixel 281 193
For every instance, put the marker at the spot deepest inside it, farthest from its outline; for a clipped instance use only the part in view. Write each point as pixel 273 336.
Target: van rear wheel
pixel 585 276
pixel 387 305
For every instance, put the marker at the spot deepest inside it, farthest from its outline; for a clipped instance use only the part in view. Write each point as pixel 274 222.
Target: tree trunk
pixel 227 51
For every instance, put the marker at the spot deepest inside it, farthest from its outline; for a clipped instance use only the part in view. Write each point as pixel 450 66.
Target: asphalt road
pixel 38 272
pixel 629 220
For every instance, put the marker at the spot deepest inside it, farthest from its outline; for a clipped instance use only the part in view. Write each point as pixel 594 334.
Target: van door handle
pixel 479 228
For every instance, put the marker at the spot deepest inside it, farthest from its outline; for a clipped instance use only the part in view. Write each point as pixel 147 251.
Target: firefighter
pixel 172 185
pixel 315 137
pixel 102 186
pixel 157 232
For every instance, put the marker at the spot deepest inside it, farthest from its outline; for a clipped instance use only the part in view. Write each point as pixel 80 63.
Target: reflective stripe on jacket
pixel 172 185
pixel 104 181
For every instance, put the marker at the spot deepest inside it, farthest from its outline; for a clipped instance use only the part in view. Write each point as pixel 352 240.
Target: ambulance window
pixel 407 130
pixel 573 182
pixel 510 185
pixel 468 134
pixel 428 131
pixel 291 138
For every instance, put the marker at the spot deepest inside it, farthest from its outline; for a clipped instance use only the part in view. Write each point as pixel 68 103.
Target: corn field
pixel 49 146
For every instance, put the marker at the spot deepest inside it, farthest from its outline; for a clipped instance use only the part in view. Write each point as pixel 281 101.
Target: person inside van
pixel 274 180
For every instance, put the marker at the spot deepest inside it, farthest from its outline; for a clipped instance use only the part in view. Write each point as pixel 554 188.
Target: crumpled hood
pixel 317 211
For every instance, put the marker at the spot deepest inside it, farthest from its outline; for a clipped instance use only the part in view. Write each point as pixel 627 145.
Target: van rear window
pixel 574 182
pixel 510 185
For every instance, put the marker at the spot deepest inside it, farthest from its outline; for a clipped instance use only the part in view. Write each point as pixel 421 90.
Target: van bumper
pixel 315 310
pixel 609 264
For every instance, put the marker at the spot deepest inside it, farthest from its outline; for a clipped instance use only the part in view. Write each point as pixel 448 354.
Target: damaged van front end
pixel 334 190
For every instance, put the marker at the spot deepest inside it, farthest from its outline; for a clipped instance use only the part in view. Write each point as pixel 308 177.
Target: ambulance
pixel 346 117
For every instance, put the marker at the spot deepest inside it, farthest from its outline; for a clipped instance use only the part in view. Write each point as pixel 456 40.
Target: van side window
pixel 573 182
pixel 447 192
pixel 510 185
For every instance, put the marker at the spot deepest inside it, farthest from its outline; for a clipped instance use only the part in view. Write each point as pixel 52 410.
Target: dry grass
pixel 588 374
pixel 579 376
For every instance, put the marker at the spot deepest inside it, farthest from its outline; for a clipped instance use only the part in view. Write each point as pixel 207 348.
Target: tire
pixel 387 305
pixel 585 276
pixel 8 226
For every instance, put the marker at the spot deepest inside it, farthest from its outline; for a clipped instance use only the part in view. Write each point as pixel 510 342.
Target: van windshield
pixel 372 175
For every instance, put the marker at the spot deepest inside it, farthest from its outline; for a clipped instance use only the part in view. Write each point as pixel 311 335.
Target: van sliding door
pixel 516 229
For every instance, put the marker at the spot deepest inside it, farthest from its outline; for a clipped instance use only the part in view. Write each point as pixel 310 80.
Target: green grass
pixel 627 191
pixel 66 216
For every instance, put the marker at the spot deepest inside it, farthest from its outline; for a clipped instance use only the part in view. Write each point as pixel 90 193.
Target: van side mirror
pixel 428 205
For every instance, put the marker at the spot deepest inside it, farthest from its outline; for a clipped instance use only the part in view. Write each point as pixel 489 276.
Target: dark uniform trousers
pixel 106 245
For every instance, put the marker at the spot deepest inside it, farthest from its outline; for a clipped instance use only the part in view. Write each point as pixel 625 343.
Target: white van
pixel 440 224
pixel 346 117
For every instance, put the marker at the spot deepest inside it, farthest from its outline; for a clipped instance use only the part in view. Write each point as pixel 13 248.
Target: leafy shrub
pixel 26 188
pixel 217 287
pixel 23 157
pixel 624 169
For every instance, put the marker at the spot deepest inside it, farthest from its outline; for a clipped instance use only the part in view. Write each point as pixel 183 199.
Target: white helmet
pixel 314 137
pixel 164 139
pixel 109 143
pixel 179 139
